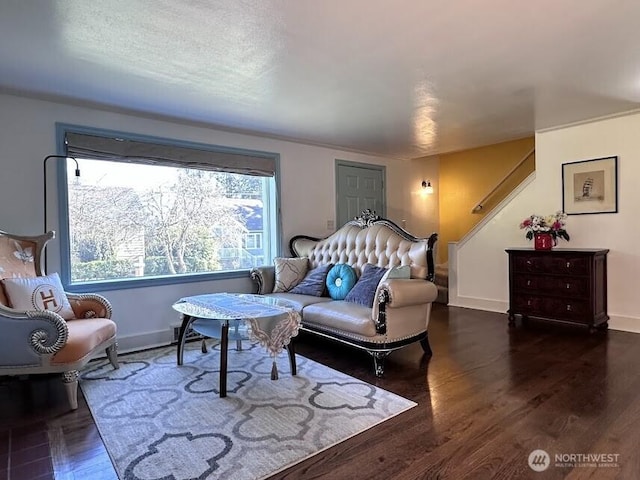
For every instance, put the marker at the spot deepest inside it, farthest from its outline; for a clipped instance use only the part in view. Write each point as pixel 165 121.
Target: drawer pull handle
pixel 528 302
pixel 568 264
pixel 528 283
pixel 568 286
pixel 568 308
pixel 529 262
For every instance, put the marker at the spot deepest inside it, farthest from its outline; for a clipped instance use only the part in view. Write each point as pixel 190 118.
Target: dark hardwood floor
pixel 487 398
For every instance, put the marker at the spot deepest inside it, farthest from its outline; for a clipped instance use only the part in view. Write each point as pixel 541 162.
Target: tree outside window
pixel 131 220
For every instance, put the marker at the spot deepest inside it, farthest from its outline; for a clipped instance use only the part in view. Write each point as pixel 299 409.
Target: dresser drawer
pixel 565 286
pixel 576 310
pixel 527 304
pixel 568 309
pixel 556 264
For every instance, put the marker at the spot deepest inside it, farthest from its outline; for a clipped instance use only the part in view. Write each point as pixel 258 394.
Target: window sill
pixel 106 285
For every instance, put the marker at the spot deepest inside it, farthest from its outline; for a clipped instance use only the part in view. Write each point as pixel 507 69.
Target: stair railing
pixel 481 203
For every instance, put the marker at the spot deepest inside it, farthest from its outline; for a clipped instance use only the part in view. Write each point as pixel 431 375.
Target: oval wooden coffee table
pixel 268 320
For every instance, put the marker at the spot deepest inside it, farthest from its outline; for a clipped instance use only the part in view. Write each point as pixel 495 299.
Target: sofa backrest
pixel 369 239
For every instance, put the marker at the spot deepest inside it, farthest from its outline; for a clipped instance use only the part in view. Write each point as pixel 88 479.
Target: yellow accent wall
pixel 465 177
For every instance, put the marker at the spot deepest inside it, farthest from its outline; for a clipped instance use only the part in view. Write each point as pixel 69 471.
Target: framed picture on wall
pixel 590 186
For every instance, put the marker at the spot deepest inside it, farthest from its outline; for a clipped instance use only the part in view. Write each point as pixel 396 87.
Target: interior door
pixel 358 186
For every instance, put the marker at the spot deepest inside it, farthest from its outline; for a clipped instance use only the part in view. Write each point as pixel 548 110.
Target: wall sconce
pixel 426 187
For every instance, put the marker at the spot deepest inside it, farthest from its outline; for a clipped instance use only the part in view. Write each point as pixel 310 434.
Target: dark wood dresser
pixel 560 284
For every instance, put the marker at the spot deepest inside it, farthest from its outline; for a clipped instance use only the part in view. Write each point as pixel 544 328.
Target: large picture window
pixel 137 217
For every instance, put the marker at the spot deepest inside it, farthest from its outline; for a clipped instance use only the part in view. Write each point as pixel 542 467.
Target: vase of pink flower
pixel 545 230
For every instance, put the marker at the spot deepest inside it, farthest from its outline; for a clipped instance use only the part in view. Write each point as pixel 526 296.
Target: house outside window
pixel 253 240
pixel 131 219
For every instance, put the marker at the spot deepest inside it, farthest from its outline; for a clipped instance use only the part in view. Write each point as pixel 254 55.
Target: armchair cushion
pixel 38 293
pixel 85 335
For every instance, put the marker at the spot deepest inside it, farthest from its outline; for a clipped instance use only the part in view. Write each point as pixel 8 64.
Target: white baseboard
pixel 145 340
pixel 624 324
pixel 486 304
pixel 616 322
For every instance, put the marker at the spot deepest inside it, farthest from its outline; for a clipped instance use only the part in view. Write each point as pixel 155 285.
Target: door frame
pixel 367 166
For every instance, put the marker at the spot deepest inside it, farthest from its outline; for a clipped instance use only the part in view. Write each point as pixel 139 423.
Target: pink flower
pixel 553 224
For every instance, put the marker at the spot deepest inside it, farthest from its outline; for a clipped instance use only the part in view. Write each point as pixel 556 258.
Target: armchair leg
pixel 112 355
pixel 70 380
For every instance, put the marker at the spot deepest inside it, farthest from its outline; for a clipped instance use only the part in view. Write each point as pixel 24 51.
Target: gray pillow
pixel 314 282
pixel 364 291
pixel 403 271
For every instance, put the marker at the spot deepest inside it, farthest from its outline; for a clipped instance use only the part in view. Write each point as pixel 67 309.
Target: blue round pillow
pixel 340 279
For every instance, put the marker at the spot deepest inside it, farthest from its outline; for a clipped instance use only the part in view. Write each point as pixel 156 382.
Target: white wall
pixel 481 280
pixel 143 315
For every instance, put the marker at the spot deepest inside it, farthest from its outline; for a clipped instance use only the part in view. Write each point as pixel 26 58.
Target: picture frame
pixel 590 186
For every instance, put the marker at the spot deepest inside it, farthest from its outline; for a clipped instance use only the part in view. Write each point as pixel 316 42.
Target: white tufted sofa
pixel 401 309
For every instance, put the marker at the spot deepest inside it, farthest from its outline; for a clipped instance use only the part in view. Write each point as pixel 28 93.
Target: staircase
pixel 442 282
pixel 443 271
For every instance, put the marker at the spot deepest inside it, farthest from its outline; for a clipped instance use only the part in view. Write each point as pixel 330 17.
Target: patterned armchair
pixel 42 328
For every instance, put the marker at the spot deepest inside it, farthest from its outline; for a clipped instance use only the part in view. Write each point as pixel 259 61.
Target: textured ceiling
pixel 402 78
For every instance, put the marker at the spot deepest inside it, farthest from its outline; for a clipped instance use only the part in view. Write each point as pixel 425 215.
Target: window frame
pixel 272 204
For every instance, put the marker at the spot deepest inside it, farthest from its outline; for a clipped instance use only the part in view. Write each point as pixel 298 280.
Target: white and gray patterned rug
pixel 161 421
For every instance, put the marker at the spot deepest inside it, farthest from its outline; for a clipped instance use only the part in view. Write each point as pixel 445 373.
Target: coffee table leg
pixel 186 321
pixel 292 358
pixel 224 347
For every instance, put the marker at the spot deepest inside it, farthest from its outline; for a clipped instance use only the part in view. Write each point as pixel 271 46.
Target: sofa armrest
pixel 89 306
pixel 403 292
pixel 264 277
pixel 398 293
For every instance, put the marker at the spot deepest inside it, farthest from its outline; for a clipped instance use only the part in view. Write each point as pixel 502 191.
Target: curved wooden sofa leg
pixel 112 355
pixel 425 346
pixel 378 362
pixel 70 380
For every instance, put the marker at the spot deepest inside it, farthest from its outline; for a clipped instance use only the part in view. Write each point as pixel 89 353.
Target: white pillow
pixel 38 293
pixel 289 272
